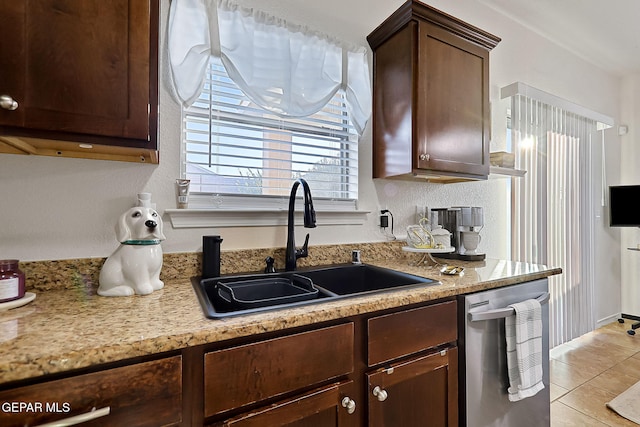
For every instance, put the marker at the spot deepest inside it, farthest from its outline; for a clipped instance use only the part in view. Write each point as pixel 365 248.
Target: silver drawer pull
pixel 8 103
pixel 501 313
pixel 82 418
pixel 380 393
pixel 349 404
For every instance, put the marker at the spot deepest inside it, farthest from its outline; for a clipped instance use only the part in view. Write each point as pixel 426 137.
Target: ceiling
pixel 604 33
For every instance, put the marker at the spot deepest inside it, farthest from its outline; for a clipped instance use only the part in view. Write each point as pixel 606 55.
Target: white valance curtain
pixel 284 68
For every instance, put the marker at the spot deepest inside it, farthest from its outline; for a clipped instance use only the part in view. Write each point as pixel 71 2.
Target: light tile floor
pixel 590 371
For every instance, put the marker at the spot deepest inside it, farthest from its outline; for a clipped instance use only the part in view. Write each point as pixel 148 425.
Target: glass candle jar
pixel 11 280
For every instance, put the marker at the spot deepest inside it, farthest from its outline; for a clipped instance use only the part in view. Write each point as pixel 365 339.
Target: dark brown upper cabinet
pixel 80 78
pixel 431 115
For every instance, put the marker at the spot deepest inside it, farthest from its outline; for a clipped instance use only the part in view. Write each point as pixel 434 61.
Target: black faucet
pixel 292 254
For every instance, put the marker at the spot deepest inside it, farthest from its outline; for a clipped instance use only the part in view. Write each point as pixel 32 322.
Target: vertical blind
pixel 552 204
pixel 232 146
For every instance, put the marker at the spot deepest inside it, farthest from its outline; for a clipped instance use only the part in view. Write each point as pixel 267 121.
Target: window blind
pixel 232 146
pixel 552 221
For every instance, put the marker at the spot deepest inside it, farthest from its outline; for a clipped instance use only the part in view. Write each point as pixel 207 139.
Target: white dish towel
pixel 523 332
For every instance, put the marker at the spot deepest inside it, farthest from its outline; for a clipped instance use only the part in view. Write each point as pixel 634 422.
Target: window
pixel 233 147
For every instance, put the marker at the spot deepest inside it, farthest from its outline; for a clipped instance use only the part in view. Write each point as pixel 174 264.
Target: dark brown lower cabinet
pixel 393 368
pixel 140 394
pixel 420 392
pixel 324 407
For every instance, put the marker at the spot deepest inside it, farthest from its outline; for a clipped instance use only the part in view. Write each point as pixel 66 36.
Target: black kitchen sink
pixel 358 279
pixel 253 293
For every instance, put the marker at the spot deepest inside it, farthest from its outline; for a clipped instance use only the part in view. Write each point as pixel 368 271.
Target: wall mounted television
pixel 623 206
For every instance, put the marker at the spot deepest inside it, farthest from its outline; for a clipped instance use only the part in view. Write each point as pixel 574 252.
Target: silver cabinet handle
pixel 500 313
pixel 425 157
pixel 82 418
pixel 349 404
pixel 381 394
pixel 8 103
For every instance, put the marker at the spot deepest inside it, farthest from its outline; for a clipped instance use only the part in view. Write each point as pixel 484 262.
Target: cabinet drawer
pixel 406 332
pixel 250 373
pixel 319 407
pixel 144 394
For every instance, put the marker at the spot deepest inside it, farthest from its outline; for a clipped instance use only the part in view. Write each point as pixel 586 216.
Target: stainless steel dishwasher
pixel 483 361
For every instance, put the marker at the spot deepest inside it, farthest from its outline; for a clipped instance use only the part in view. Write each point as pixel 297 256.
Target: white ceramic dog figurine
pixel 134 268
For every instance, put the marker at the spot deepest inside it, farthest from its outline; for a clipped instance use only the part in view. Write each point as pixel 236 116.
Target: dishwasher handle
pixel 500 313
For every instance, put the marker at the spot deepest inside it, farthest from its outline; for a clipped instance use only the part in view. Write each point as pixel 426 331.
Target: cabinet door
pixel 453 103
pixel 12 58
pixel 420 392
pixel 80 67
pixel 324 407
pixel 142 394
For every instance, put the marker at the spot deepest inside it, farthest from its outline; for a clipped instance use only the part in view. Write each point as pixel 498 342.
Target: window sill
pixel 206 218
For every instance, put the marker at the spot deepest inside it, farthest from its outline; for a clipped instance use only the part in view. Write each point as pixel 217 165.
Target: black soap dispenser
pixel 211 256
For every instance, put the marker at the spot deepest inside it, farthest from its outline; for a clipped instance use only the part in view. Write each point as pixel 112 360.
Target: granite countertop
pixel 65 329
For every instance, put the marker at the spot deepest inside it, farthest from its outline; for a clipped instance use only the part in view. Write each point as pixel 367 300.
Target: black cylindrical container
pixel 211 256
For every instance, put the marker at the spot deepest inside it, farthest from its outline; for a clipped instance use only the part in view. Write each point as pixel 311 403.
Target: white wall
pixel 65 208
pixel 606 262
pixel 630 237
